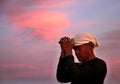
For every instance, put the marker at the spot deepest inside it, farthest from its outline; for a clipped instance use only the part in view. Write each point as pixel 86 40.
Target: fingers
pixel 64 40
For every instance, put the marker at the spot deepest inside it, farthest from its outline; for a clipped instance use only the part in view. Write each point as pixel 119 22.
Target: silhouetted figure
pixel 90 70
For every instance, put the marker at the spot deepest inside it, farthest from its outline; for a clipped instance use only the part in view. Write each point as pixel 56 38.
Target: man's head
pixel 84 44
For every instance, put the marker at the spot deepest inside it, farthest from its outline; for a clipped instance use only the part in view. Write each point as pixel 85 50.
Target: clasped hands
pixel 66 45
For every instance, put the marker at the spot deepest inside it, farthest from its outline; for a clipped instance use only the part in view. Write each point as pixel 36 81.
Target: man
pixel 90 70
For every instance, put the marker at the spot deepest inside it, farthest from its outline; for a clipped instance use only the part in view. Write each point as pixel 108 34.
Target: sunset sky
pixel 30 31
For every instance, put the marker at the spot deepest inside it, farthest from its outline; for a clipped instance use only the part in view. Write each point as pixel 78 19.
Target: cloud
pixel 27 62
pixel 109 49
pixel 37 16
pixel 7 68
pixel 11 70
pixel 57 4
pixel 114 70
pixel 47 25
pixel 16 6
pixel 25 71
pixel 85 24
pixel 110 40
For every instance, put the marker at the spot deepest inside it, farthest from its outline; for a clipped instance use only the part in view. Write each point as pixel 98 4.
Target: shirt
pixel 90 72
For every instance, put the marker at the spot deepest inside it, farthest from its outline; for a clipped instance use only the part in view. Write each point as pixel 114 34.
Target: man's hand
pixel 66 46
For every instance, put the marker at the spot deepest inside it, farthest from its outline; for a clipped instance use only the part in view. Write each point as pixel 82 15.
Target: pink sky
pixel 30 31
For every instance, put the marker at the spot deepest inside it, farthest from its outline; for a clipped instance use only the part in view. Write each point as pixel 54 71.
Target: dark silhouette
pixel 90 70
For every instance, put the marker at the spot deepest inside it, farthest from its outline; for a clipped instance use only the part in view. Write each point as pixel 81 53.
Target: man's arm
pixel 62 71
pixel 66 50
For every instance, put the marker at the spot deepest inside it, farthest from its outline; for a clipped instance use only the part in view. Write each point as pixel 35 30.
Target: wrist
pixel 68 53
pixel 62 54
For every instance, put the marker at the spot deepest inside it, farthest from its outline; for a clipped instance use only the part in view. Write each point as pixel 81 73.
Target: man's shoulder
pixel 99 60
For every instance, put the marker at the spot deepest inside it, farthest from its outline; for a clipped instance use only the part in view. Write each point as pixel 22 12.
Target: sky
pixel 30 31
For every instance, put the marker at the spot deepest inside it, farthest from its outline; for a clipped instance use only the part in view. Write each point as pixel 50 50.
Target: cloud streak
pixel 25 71
pixel 46 25
pixel 15 70
pixel 110 45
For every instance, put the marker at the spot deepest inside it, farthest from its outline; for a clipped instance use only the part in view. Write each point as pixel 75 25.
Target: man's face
pixel 81 52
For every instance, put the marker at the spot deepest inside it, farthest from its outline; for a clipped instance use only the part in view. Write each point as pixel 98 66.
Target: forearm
pixel 66 50
pixel 65 53
pixel 62 72
pixel 75 72
pixel 62 54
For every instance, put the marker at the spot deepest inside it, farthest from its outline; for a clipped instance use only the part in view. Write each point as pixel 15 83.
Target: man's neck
pixel 90 57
